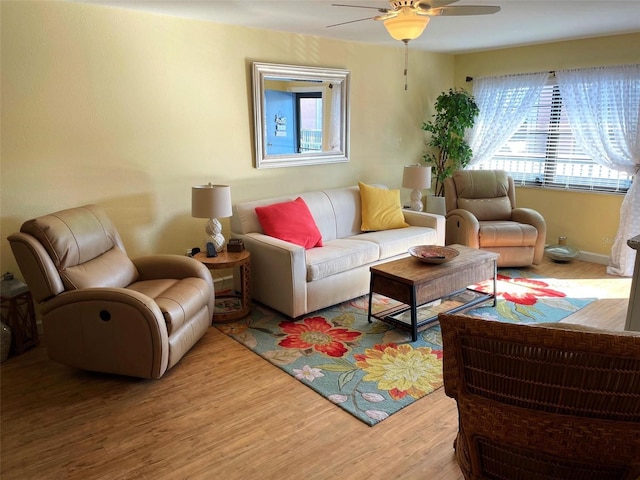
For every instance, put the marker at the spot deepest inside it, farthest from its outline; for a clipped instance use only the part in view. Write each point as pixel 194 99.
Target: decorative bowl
pixel 433 254
pixel 561 253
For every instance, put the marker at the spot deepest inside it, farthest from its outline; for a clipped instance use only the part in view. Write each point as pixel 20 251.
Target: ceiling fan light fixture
pixel 407 25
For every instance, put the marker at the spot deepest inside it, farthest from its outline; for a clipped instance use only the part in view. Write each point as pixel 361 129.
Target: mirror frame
pixel 267 71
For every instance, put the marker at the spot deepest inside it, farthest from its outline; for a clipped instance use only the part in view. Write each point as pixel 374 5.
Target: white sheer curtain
pixel 603 106
pixel 503 102
pixel 335 119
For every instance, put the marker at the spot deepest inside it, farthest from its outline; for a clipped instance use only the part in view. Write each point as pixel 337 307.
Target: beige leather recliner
pixel 102 311
pixel 482 213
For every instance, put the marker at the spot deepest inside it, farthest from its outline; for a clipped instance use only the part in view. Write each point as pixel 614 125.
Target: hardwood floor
pixel 225 413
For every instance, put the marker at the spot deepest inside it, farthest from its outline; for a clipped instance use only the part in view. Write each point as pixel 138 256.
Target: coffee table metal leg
pixel 414 316
pixel 370 298
pixel 495 283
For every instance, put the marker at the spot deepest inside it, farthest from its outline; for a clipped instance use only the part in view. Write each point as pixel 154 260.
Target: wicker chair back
pixel 543 401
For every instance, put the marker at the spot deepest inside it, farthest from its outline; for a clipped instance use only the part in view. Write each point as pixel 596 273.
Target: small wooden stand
pixel 226 260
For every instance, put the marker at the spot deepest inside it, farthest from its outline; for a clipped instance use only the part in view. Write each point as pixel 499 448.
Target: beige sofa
pixel 295 281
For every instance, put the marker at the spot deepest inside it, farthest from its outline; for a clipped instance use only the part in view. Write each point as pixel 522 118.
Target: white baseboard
pixel 594 258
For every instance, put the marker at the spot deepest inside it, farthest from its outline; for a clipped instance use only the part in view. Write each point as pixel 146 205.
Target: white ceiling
pixel 519 22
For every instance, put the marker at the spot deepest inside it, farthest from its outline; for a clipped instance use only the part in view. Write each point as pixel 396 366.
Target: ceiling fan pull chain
pixel 406 63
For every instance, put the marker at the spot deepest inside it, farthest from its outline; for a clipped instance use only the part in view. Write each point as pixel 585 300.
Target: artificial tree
pixel 456 111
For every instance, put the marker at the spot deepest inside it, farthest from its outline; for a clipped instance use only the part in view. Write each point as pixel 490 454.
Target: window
pixel 309 113
pixel 544 152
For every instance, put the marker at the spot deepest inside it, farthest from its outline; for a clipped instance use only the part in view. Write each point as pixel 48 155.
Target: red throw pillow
pixel 290 221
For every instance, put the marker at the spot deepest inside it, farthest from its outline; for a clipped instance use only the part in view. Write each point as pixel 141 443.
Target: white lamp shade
pixel 407 25
pixel 211 201
pixel 416 177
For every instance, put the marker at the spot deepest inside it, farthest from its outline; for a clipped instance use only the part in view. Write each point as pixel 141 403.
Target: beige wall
pixel 589 220
pixel 129 110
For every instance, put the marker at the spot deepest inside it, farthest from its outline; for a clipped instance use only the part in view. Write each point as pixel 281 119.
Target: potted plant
pixel 456 111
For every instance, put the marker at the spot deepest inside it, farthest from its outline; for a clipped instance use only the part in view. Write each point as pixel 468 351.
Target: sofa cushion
pixel 381 209
pixel 340 255
pixel 290 221
pixel 397 242
pixel 345 208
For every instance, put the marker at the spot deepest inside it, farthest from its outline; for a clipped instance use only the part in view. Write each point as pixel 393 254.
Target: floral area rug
pixel 524 297
pixel 372 370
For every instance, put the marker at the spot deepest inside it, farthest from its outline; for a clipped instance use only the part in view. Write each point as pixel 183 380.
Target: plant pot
pixel 436 205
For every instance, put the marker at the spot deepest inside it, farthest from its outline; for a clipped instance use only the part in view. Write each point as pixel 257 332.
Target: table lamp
pixel 417 178
pixel 212 202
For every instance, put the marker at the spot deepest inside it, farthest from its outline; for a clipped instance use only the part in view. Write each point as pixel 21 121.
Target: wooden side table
pixel 226 260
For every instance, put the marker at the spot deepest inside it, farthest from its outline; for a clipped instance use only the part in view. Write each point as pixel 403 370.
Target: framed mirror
pixel 301 115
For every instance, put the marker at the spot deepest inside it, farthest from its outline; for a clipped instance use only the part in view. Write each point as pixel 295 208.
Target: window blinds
pixel 544 152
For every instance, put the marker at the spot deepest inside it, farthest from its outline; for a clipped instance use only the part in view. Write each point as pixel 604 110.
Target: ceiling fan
pixel 405 20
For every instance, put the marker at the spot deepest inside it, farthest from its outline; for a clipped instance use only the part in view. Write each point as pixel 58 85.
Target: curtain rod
pixel 470 79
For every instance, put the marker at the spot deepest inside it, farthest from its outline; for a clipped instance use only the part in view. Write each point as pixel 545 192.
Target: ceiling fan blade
pixel 350 21
pixel 429 4
pixel 385 16
pixel 442 3
pixel 463 10
pixel 381 10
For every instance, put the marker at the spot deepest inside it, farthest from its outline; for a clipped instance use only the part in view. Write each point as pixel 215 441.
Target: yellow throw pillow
pixel 381 209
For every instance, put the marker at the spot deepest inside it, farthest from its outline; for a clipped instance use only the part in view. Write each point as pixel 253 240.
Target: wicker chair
pixel 543 402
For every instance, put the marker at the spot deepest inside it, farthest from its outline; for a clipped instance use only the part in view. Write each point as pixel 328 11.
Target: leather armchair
pixel 482 213
pixel 102 311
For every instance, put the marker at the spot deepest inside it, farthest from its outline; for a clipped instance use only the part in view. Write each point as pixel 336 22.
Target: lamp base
pixel 416 200
pixel 214 234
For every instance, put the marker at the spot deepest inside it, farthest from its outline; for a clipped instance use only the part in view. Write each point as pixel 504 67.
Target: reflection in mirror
pixel 300 114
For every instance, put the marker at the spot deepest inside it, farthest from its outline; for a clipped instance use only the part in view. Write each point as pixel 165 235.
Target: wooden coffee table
pixel 426 290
